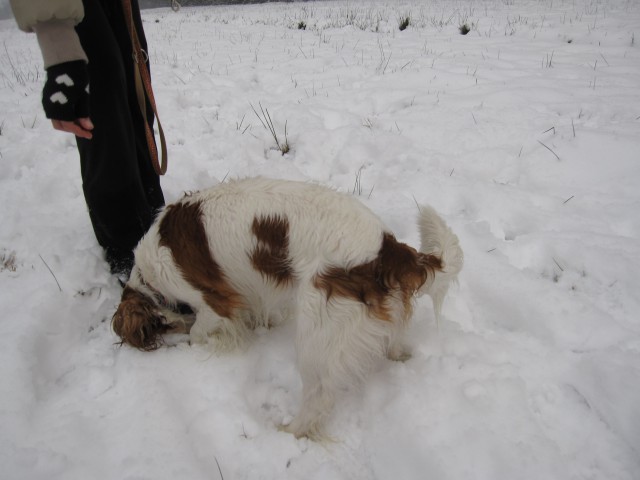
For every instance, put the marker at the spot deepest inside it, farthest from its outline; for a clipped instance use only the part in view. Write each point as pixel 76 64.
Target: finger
pixel 85 123
pixel 71 127
pixel 77 130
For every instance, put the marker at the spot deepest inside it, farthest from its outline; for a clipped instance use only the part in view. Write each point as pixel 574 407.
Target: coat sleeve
pixel 53 21
pixel 30 12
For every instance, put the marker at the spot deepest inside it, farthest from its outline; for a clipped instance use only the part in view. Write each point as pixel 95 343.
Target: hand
pixel 80 127
pixel 65 98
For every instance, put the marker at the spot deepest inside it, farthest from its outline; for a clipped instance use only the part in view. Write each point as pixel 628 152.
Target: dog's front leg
pixel 224 334
pixel 207 322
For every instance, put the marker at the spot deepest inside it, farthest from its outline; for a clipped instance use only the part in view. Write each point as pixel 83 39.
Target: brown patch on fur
pixel 271 256
pixel 397 268
pixel 182 231
pixel 138 322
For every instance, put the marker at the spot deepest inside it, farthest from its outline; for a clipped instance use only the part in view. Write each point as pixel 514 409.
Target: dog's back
pixel 319 226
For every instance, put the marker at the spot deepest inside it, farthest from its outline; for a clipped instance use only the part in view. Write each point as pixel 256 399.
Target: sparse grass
pixel 239 126
pixel 464 29
pixel 368 123
pixel 404 22
pixel 384 59
pixel 32 125
pixel 547 62
pixel 20 74
pixel 8 261
pixel 219 469
pixel 362 18
pixel 554 153
pixel 267 123
pixel 441 22
pixel 51 272
pixel 558 264
pixel 357 186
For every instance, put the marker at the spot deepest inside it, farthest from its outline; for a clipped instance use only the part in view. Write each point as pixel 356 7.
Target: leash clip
pixel 145 56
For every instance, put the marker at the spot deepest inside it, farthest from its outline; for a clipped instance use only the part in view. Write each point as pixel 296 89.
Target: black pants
pixel 120 186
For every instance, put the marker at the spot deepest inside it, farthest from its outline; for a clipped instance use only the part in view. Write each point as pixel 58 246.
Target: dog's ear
pixel 138 321
pixel 403 267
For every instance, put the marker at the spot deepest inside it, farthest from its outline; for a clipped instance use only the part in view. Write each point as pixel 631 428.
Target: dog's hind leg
pixel 399 351
pixel 317 403
pixel 336 344
pixel 312 349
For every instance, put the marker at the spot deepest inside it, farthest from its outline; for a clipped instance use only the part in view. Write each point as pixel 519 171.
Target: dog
pixel 257 251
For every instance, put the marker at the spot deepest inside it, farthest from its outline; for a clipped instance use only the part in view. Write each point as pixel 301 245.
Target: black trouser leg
pixel 120 186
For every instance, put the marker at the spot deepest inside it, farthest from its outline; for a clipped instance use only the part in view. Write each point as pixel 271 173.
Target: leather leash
pixel 144 91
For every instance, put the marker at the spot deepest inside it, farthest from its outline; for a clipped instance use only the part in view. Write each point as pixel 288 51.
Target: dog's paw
pixel 313 434
pixel 177 322
pixel 401 353
pixel 198 336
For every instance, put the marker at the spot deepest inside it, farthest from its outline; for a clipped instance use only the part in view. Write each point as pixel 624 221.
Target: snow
pixel 524 134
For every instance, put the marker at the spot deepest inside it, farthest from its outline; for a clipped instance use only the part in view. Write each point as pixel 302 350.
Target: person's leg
pixel 150 178
pixel 122 192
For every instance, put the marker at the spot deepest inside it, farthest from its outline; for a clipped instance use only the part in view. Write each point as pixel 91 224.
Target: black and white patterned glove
pixel 66 92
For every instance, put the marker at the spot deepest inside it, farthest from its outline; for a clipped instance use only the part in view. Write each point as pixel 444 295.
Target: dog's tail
pixel 138 321
pixel 438 239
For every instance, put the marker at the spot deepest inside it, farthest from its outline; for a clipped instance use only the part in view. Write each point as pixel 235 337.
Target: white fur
pixel 338 340
pixel 436 238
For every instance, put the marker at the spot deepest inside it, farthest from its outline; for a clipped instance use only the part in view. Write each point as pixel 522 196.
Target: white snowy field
pixel 524 134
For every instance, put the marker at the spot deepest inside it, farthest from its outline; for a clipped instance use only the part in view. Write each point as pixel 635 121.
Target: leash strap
pixel 144 91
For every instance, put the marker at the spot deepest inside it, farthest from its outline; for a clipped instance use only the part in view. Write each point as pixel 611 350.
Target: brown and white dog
pixel 258 251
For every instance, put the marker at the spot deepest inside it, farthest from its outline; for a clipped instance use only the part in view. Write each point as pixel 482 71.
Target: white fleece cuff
pixel 59 42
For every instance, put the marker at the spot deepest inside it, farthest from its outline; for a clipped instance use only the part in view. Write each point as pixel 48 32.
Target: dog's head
pixel 401 271
pixel 387 284
pixel 138 321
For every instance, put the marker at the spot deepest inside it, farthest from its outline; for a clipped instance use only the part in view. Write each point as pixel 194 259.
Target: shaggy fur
pixel 257 251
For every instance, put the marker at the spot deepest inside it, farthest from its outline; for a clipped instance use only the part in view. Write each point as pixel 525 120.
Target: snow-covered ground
pixel 524 134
